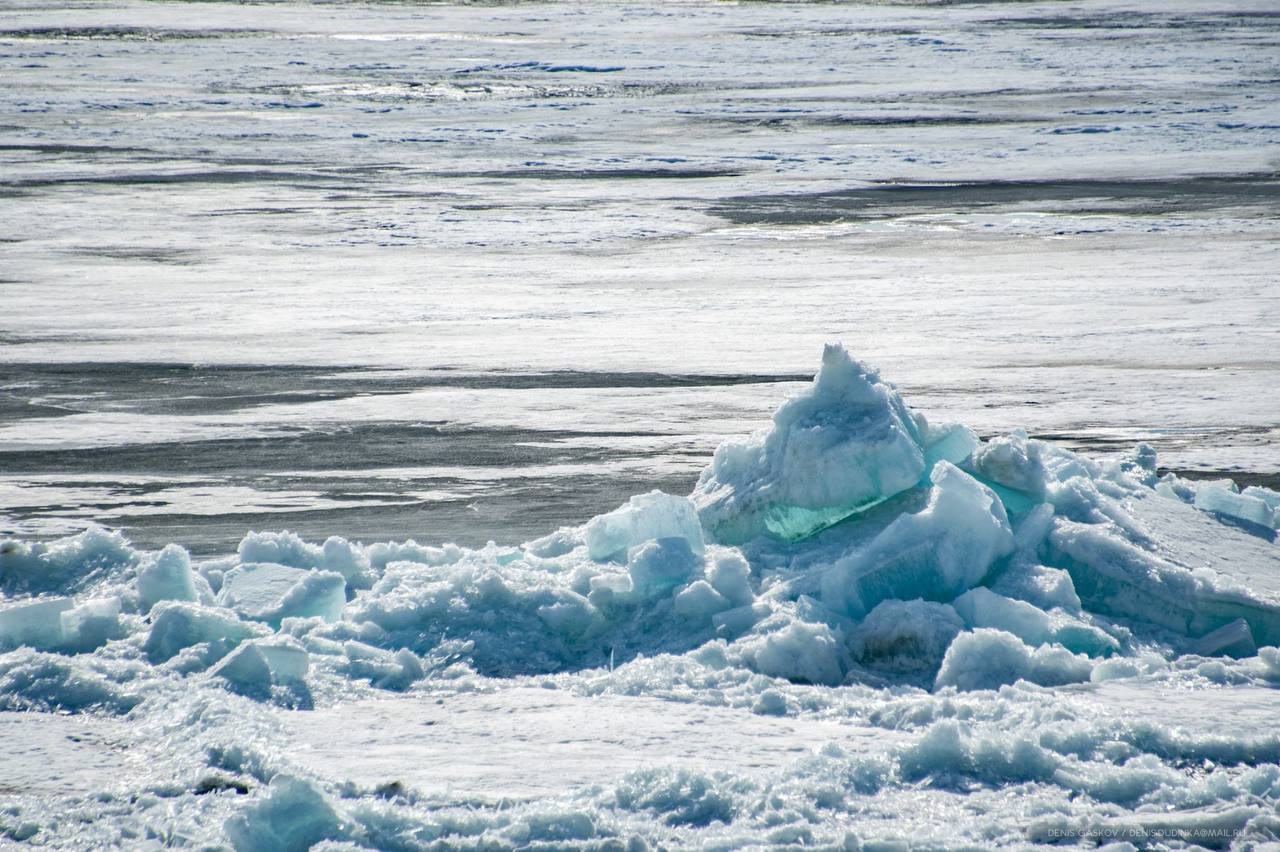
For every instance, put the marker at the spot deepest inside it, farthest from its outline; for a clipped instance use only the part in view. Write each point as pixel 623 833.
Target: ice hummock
pixel 932 576
pixel 844 446
pixel 792 538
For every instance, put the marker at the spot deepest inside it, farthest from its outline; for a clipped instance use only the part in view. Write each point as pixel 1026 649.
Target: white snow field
pixel 861 626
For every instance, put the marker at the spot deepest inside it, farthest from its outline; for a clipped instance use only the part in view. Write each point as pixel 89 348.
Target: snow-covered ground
pixel 392 276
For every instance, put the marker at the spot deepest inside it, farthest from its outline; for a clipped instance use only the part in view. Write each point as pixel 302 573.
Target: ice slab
pixel 982 607
pixel 91 624
pixel 177 625
pixel 264 591
pixel 934 554
pixel 167 577
pixel 640 519
pixel 1254 510
pixel 257 664
pixel 37 623
pixel 1195 576
pixel 1230 640
pixel 1266 495
pixel 288 661
pixel 59 623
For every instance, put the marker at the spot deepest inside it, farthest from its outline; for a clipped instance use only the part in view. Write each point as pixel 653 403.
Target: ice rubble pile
pixel 851 541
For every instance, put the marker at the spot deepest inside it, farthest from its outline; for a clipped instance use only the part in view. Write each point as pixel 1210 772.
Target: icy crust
pixel 854 562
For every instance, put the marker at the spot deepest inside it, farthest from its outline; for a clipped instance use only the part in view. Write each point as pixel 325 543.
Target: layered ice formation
pixel 982 604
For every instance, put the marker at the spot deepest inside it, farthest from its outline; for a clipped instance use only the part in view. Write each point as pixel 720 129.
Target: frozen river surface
pixel 406 279
pixel 473 272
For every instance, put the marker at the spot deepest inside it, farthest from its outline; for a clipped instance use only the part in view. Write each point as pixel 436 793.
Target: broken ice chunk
pixel 734 622
pixel 35 623
pixel 167 577
pixel 572 616
pixel 263 591
pixel 799 651
pixel 1011 465
pixel 609 588
pixel 67 565
pixel 50 624
pixel 988 659
pixel 1266 495
pixel 176 625
pixel 1013 461
pixel 383 669
pixel 844 445
pixel 245 667
pixel 698 601
pixel 1045 587
pixel 295 814
pixel 257 664
pixel 286 548
pixel 982 607
pixel 558 543
pixel 934 554
pixel 730 575
pixel 91 624
pixel 658 566
pixel 643 517
pixel 906 636
pixel 1214 498
pixel 1115 577
pixel 952 442
pixel 288 660
pixel 1230 640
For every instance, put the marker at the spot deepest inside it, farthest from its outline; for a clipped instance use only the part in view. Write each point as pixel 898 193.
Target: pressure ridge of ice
pixel 853 560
